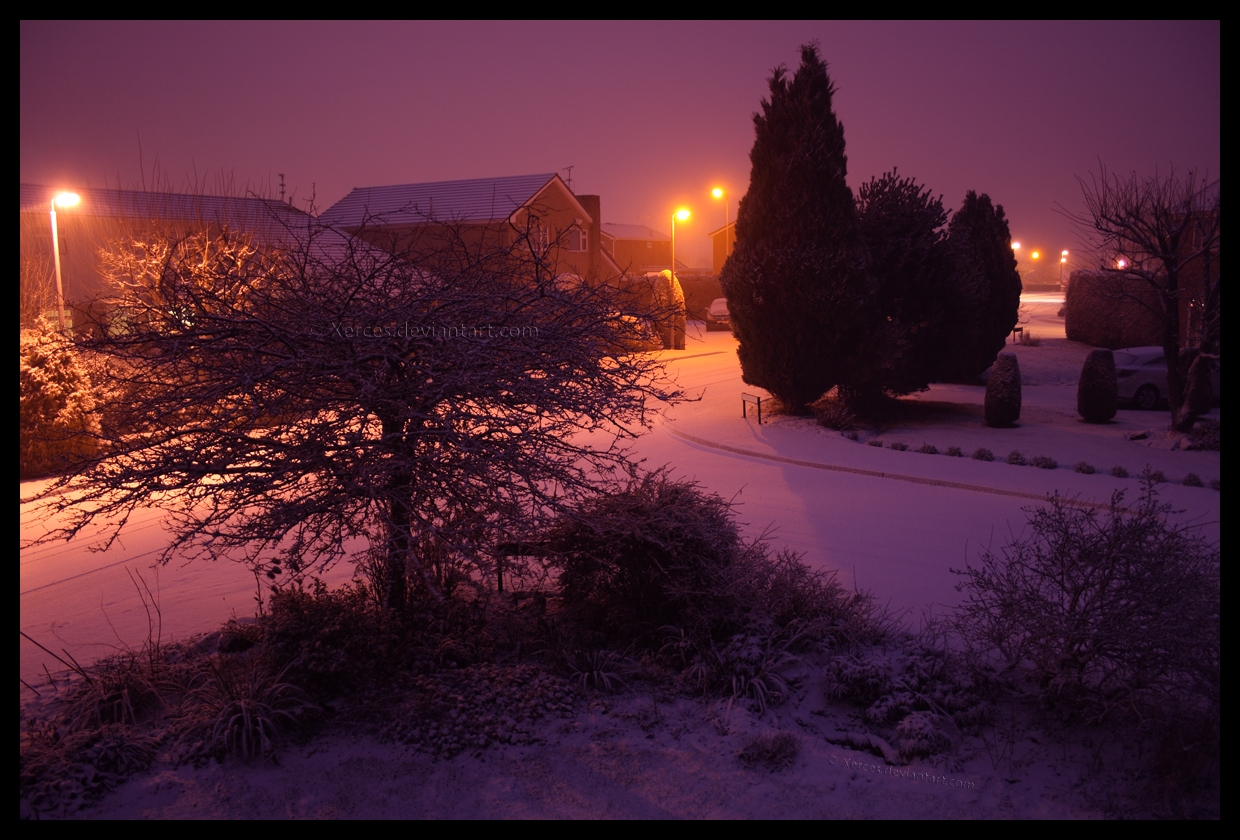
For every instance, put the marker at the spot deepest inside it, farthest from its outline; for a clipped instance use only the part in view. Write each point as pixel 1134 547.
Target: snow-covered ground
pixel 892 522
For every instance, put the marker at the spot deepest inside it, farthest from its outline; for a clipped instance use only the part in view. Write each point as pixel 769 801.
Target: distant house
pixel 105 216
pixel 482 211
pixel 639 249
pixel 722 242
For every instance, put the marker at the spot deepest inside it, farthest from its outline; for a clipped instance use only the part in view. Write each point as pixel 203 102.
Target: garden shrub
pixel 1045 463
pixel 57 421
pixel 1016 459
pixel 660 553
pixel 1119 472
pixel 327 641
pixel 1111 612
pixel 1002 404
pixel 983 454
pixel 1193 480
pixel 1084 468
pixel 1097 392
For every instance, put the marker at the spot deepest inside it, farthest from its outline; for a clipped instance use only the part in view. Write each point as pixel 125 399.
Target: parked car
pixel 1142 373
pixel 717 317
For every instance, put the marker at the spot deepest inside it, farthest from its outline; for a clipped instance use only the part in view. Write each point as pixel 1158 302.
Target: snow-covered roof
pixel 642 232
pixel 271 222
pixel 479 199
pixel 234 211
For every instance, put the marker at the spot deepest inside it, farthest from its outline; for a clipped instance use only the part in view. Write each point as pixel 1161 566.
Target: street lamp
pixel 681 214
pixel 64 199
pixel 718 192
pixel 1063 260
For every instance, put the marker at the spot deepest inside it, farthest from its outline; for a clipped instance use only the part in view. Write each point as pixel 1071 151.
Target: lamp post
pixel 681 214
pixel 718 192
pixel 1063 261
pixel 64 199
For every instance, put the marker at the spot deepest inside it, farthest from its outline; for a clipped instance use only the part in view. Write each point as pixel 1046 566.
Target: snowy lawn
pixel 891 522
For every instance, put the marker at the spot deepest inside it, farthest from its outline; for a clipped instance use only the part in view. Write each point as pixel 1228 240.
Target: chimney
pixel 591 204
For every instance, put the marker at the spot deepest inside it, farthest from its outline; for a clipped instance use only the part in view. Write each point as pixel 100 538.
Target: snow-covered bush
pixel 954 452
pixel 928 449
pixel 1002 403
pixel 1084 468
pixel 1045 462
pixel 1114 612
pixel 983 454
pixel 57 424
pixel 1017 459
pixel 661 553
pixel 1097 392
pixel 1119 472
pixel 1192 480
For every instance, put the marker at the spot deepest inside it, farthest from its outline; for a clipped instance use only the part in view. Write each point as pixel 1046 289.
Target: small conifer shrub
pixel 1002 405
pixel 1119 472
pixel 1192 480
pixel 1045 463
pixel 1097 392
pixel 899 447
pixel 954 451
pixel 1015 458
pixel 928 449
pixel 983 454
pixel 1084 468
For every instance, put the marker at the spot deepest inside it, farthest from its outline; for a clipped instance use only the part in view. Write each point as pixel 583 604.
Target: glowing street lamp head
pixel 1121 263
pixel 1015 246
pixel 681 215
pixel 1035 255
pixel 717 192
pixel 1064 254
pixel 66 199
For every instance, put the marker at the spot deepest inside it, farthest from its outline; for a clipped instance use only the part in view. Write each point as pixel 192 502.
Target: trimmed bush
pixel 1106 309
pixel 983 454
pixel 954 452
pixel 1084 468
pixel 1193 480
pixel 875 442
pixel 899 447
pixel 928 449
pixel 1156 476
pixel 1016 459
pixel 1042 462
pixel 1119 472
pixel 1097 392
pixel 1002 406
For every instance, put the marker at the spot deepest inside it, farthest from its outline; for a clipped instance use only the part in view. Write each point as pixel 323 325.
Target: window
pixel 578 239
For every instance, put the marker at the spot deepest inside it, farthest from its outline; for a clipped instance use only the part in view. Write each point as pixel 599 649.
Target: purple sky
pixel 651 115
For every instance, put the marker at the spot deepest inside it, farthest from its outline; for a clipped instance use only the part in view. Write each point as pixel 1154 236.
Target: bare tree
pixel 1163 233
pixel 278 401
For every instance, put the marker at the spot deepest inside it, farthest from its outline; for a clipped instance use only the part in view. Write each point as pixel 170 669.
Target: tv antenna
pixel 569 180
pixel 281 187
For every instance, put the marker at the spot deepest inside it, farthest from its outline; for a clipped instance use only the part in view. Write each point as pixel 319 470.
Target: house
pixel 722 243
pixel 103 217
pixel 639 249
pixel 487 212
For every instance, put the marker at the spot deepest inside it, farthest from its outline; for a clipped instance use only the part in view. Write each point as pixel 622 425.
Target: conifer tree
pixel 986 288
pixel 793 282
pixel 903 229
